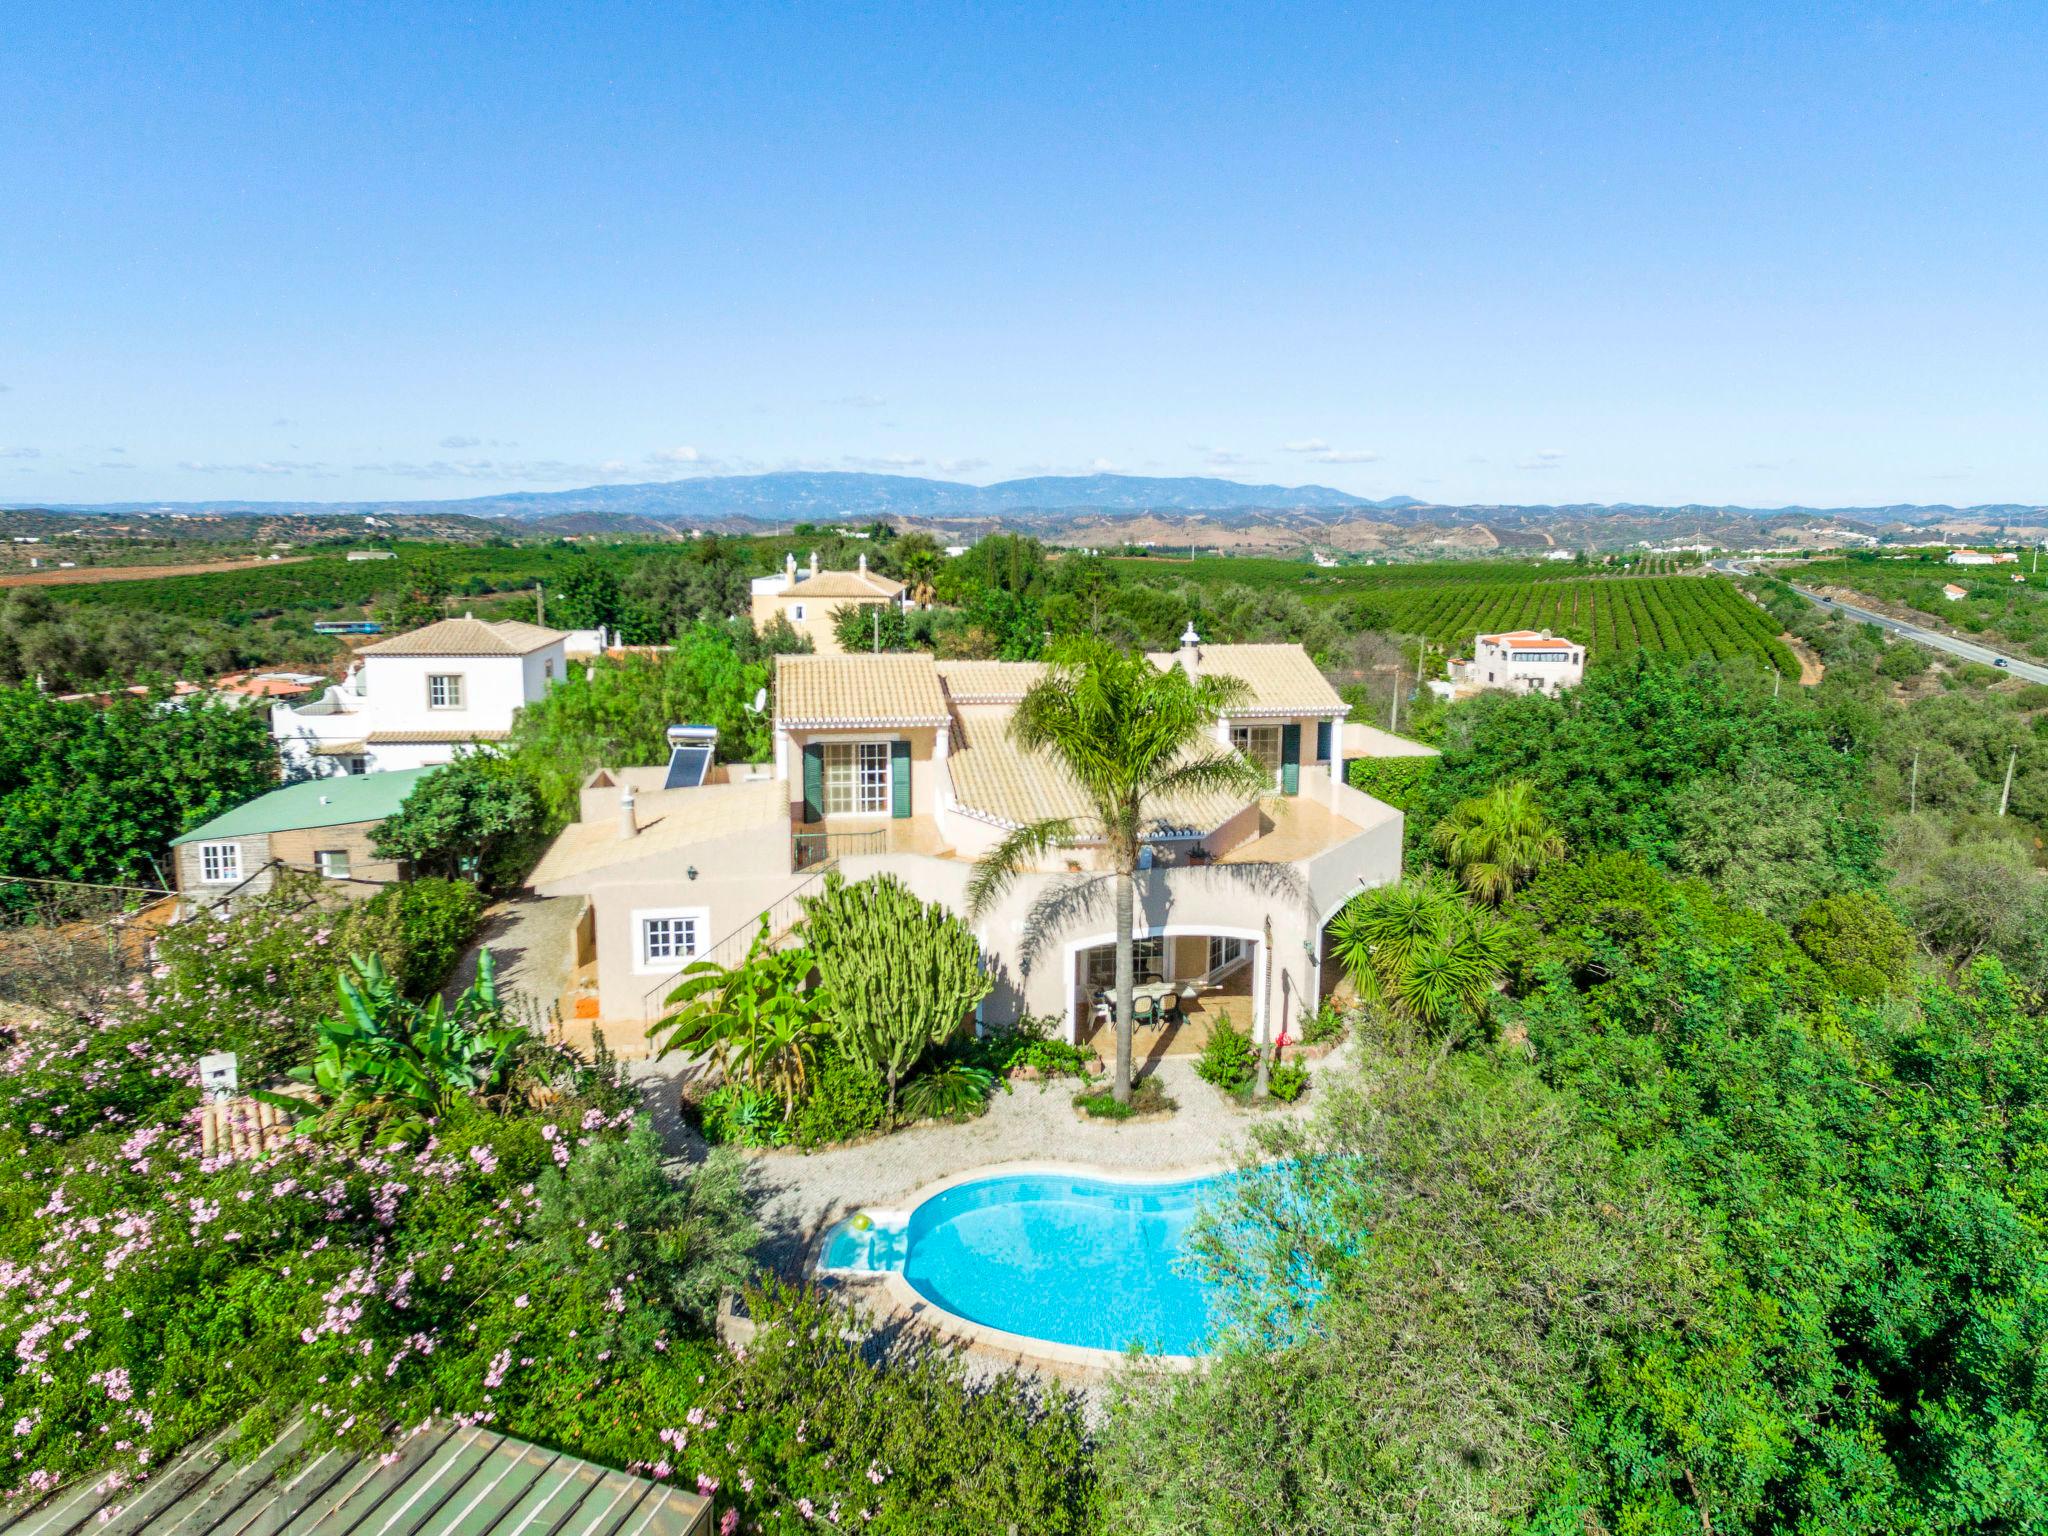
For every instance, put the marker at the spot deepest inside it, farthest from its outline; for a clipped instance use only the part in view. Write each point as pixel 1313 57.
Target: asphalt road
pixel 1934 639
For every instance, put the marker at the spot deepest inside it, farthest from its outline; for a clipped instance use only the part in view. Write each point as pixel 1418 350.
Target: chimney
pixel 814 564
pixel 789 568
pixel 627 825
pixel 1190 651
pixel 863 562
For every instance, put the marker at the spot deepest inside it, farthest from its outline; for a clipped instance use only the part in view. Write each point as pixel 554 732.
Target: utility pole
pixel 1913 792
pixel 540 604
pixel 1777 681
pixel 2005 795
pixel 878 629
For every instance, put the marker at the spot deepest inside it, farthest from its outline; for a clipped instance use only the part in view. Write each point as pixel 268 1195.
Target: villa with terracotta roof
pixel 904 763
pixel 413 700
pixel 811 599
pixel 1519 661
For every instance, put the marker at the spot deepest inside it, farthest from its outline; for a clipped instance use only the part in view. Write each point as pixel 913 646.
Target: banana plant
pixel 759 1021
pixel 402 1064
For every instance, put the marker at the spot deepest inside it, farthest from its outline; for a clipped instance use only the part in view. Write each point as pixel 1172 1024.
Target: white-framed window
pixel 1224 951
pixel 1148 957
pixel 220 863
pixel 857 778
pixel 547 669
pixel 668 938
pixel 798 611
pixel 444 690
pixel 358 765
pixel 1260 743
pixel 332 863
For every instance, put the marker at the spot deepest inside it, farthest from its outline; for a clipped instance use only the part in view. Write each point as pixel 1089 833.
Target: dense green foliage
pixel 619 713
pixel 2006 613
pixel 96 792
pixel 72 647
pixel 479 818
pixel 1686 765
pixel 418 929
pixel 1395 781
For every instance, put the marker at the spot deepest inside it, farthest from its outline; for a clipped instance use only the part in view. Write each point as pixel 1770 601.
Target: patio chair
pixel 1145 1012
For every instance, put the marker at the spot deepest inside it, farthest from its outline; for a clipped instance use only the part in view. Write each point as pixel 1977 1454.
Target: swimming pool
pixel 1086 1260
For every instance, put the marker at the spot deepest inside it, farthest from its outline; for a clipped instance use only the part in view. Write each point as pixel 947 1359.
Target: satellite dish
pixel 760 700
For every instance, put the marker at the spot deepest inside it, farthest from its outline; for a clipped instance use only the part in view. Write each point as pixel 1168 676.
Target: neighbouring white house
pixel 1980 557
pixel 1954 593
pixel 416 699
pixel 1519 661
pixel 904 764
pixel 810 599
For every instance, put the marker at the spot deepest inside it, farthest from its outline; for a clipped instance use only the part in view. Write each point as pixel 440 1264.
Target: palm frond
pixel 1001 865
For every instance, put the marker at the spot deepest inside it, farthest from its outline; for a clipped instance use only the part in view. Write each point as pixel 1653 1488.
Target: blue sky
pixel 1467 252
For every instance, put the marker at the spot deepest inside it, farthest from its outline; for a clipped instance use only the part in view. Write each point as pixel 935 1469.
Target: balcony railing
pixel 809 850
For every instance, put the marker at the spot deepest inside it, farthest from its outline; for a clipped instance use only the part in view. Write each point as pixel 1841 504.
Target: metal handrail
pixel 807 849
pixel 782 917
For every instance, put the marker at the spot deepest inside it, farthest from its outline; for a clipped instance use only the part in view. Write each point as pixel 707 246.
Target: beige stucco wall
pixel 820 615
pixel 924 773
pixel 296 850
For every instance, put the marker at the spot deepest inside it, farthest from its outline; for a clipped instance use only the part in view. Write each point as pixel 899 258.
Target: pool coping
pixel 921 1311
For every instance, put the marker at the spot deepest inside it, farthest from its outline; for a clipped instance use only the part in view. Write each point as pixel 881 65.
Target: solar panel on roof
pixel 687 767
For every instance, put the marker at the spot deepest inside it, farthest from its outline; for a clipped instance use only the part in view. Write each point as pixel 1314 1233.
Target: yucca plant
pixel 1420 950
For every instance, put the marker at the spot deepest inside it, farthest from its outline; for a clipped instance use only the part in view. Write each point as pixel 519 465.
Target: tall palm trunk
pixel 1126 962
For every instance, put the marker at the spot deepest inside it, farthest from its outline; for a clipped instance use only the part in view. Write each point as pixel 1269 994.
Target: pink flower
pixel 706 1485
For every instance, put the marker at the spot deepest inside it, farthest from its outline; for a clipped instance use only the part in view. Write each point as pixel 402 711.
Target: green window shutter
pixel 1322 741
pixel 814 782
pixel 899 778
pixel 1290 759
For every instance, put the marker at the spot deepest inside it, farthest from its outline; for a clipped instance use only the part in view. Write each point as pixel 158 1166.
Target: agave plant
pixel 757 1020
pixel 402 1063
pixel 1419 949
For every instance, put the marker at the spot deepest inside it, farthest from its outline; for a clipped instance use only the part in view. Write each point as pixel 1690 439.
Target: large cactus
pixel 902 974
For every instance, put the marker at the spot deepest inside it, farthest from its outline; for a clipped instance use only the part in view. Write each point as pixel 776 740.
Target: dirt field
pixel 80 575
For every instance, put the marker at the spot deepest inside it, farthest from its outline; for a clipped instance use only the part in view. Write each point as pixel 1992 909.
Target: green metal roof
pixel 330 802
pixel 447 1482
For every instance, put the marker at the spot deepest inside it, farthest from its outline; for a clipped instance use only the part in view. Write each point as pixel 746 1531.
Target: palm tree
pixel 1131 737
pixel 1496 841
pixel 1420 949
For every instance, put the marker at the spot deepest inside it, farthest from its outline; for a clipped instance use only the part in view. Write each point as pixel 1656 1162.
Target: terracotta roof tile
pixel 841 584
pixel 989 682
pixel 1282 678
pixel 820 692
pixel 467 637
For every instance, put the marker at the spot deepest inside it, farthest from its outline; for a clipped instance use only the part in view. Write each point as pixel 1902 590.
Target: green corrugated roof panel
pixel 448 1482
pixel 313 803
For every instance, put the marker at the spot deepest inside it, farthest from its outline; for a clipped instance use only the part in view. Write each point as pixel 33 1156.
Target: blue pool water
pixel 1094 1262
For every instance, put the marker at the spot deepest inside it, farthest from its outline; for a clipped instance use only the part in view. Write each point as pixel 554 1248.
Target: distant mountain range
pixel 800 495
pixel 1108 509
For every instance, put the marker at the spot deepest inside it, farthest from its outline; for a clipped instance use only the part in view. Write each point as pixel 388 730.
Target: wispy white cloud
pixel 21 453
pixel 1545 458
pixel 1224 458
pixel 680 455
pixel 266 467
pixel 884 462
pixel 461 442
pixel 1318 451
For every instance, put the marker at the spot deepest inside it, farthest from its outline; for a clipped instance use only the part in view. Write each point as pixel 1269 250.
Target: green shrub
pixel 735 1115
pixel 1228 1058
pixel 1030 1042
pixel 845 1101
pixel 1327 1025
pixel 1148 1097
pixel 949 1090
pixel 812 1429
pixel 2032 696
pixel 1859 941
pixel 1287 1081
pixel 1396 781
pixel 420 928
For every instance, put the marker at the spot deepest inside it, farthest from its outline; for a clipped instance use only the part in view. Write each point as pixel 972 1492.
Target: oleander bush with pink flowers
pixel 522 1260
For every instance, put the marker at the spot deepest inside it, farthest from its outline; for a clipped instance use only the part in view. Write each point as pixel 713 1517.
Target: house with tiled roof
pixel 906 764
pixel 416 699
pixel 1518 661
pixel 810 600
